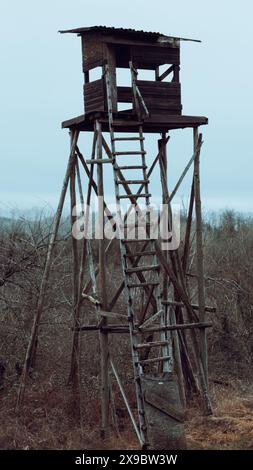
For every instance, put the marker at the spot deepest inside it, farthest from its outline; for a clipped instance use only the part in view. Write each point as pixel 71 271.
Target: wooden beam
pixel 124 328
pixel 165 74
pixel 174 303
pixel 196 151
pixel 199 248
pixel 104 345
pixel 74 367
pixel 122 391
pixel 188 231
pixel 110 53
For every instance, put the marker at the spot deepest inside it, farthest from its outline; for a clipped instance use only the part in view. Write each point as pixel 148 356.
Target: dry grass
pixel 47 421
pixel 230 427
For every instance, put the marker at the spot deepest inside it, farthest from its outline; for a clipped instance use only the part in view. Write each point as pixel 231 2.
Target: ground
pixel 47 421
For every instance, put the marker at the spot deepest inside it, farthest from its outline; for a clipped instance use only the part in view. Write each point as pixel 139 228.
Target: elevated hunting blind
pixel 166 331
pixel 158 97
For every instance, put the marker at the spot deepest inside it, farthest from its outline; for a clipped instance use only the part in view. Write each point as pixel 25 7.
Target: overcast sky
pixel 41 85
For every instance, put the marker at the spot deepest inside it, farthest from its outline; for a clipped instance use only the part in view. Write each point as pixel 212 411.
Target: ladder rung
pixel 127 138
pixel 125 240
pixel 151 344
pixel 140 253
pixel 133 167
pixel 155 359
pixel 139 152
pixel 137 225
pixel 133 182
pixel 139 269
pixel 142 284
pixel 131 196
pixel 181 326
pixel 101 160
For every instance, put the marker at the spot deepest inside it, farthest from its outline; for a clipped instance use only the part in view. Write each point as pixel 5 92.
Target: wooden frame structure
pixel 168 312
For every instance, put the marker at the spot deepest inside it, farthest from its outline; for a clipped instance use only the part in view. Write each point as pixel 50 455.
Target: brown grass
pixel 47 421
pixel 230 427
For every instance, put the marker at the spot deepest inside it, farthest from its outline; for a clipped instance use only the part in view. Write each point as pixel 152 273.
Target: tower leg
pixel 103 336
pixel 176 350
pixel 176 275
pixel 74 377
pixel 199 252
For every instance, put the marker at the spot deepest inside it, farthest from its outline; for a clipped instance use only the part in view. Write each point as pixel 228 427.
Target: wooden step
pixel 131 196
pixel 154 360
pixel 140 253
pixel 137 225
pixel 133 182
pixel 126 241
pixel 142 284
pixel 140 269
pixel 151 344
pixel 127 138
pixel 180 326
pixel 173 303
pixel 132 167
pixel 131 152
pixel 99 162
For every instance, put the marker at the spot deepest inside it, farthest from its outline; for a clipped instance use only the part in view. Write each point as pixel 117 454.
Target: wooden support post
pixel 176 73
pixel 44 281
pixel 171 314
pixel 104 346
pixel 178 360
pixel 74 369
pixel 86 77
pixel 188 230
pixel 163 161
pixel 74 376
pixel 122 391
pixel 165 318
pixel 179 285
pixel 199 249
pixel 111 61
pixel 75 340
pixel 157 73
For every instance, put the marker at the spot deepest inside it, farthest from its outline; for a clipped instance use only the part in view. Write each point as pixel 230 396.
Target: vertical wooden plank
pixel 164 171
pixel 111 61
pixel 199 254
pixel 157 73
pixel 74 376
pixel 86 77
pixel 178 359
pixel 165 318
pixel 74 369
pixel 188 230
pixel 162 147
pixel 104 346
pixel 176 77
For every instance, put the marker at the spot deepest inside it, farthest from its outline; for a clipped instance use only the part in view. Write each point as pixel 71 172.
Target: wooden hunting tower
pixel 118 48
pixel 167 331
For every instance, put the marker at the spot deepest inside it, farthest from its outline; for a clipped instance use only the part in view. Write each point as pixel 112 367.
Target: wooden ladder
pixel 132 252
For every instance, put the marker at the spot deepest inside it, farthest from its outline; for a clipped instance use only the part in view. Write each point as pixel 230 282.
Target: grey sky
pixel 41 85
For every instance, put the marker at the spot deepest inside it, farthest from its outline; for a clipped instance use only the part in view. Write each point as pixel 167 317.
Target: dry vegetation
pixel 47 419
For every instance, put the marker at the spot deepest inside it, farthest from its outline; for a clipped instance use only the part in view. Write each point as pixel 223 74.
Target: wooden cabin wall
pixel 161 97
pixel 94 96
pixel 92 51
pixel 149 57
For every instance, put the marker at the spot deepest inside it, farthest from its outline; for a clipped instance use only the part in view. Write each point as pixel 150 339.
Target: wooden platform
pixel 126 122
